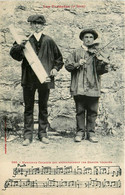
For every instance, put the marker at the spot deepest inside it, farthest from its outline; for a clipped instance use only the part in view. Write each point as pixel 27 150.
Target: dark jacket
pixel 48 53
pixel 85 80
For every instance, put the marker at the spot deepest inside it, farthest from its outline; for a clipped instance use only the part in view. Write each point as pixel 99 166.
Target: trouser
pixel 28 95
pixel 86 112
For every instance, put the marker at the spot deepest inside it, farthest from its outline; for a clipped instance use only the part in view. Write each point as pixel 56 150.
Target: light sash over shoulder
pixel 30 55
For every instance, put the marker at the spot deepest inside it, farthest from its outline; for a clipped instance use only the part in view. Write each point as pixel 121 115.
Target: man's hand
pixel 82 62
pixel 53 72
pixel 93 51
pixel 23 43
pixel 48 80
pixel 99 55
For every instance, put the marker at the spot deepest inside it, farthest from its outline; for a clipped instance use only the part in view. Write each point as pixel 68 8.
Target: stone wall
pixel 64 26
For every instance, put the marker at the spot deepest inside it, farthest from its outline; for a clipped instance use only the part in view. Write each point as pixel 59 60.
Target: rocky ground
pixel 63 148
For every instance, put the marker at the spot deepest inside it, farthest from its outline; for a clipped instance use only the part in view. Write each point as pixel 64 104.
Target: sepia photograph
pixel 62 97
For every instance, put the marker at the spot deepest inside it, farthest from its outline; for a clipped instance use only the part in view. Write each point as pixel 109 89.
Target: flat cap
pixel 36 19
pixel 88 31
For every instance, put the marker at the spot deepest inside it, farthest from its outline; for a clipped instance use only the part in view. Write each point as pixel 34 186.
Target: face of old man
pixel 88 39
pixel 36 27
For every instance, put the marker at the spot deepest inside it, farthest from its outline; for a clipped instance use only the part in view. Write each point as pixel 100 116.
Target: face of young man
pixel 36 27
pixel 88 39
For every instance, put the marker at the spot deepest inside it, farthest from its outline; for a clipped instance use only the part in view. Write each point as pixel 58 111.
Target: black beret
pixel 88 31
pixel 37 19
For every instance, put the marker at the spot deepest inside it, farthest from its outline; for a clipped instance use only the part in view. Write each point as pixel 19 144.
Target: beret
pixel 36 19
pixel 88 31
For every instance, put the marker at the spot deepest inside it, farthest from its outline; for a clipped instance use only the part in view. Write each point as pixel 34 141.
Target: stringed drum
pixel 30 54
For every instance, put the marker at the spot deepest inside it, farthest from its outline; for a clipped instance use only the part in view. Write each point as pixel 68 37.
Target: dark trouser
pixel 43 95
pixel 86 112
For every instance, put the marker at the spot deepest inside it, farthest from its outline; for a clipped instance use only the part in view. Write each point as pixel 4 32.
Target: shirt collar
pixel 84 47
pixel 38 35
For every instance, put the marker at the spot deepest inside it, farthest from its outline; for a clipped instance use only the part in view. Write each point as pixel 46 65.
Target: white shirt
pixel 38 35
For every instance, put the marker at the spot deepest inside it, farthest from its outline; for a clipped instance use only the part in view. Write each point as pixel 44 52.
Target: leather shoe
pixel 79 136
pixel 26 142
pixel 45 140
pixel 92 138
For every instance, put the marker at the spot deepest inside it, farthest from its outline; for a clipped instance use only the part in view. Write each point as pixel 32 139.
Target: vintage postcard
pixel 62 97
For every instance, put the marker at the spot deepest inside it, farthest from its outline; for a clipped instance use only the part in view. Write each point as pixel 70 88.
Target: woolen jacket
pixel 85 80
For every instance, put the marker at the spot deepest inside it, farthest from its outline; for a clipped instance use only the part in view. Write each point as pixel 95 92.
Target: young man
pixel 51 58
pixel 86 64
